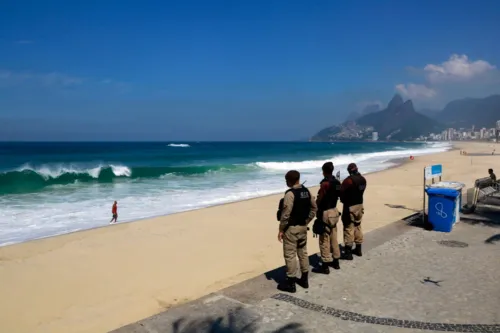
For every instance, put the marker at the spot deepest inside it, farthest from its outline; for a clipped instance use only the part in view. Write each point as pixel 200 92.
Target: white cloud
pixel 415 91
pixel 58 81
pixel 64 80
pixel 364 104
pixel 457 68
pixel 47 79
pixel 455 74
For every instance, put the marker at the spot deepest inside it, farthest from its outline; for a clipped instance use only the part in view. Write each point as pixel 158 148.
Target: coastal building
pixel 482 133
pixel 375 136
pixel 490 134
pixel 451 133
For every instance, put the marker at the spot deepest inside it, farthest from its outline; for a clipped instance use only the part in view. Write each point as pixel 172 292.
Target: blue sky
pixel 232 70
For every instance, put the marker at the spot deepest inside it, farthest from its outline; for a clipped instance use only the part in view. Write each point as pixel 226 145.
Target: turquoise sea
pixel 54 188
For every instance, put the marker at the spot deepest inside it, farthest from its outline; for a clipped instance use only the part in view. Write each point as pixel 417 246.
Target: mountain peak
pixel 407 107
pixel 395 102
pixel 408 104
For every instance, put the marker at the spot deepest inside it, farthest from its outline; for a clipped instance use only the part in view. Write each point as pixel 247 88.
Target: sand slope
pixel 100 279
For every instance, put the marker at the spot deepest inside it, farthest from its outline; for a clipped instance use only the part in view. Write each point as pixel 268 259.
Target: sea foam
pixel 358 158
pixel 179 145
pixel 58 170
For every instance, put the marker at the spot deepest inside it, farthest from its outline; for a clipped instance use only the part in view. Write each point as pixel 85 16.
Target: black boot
pixel 288 285
pixel 347 255
pixel 304 281
pixel 335 264
pixel 357 250
pixel 323 269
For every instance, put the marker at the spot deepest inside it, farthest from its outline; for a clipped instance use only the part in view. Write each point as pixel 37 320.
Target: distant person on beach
pixel 114 211
pixel 327 218
pixel 492 176
pixel 351 195
pixel 299 208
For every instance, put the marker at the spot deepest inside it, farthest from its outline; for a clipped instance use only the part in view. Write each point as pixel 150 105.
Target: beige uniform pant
pixel 295 245
pixel 328 242
pixel 352 225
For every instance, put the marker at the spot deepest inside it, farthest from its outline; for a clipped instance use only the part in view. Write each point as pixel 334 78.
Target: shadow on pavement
pixel 237 321
pixel 493 239
pixel 279 274
pixel 402 207
pixel 482 216
pixel 415 220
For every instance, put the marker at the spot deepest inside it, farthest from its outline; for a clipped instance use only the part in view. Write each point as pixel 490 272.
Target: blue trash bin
pixel 454 186
pixel 442 209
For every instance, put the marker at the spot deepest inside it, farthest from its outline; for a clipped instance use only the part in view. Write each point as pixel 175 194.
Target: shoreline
pixel 396 161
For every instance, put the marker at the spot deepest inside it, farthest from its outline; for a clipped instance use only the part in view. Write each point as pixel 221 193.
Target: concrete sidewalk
pixel 408 280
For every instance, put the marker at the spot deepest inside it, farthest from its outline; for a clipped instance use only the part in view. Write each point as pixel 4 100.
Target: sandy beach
pixel 101 279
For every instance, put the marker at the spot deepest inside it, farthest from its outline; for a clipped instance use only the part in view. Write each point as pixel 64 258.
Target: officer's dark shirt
pixel 288 206
pixel 323 194
pixel 350 193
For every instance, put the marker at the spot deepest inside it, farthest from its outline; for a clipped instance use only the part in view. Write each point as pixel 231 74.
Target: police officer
pixel 328 216
pixel 299 208
pixel 351 195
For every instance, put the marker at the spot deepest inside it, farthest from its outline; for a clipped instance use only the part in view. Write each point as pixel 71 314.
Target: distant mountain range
pixel 399 121
pixel 481 112
pixel 431 113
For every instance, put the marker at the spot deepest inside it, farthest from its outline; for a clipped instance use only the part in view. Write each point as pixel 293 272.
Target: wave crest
pixel 26 178
pixel 179 145
pixel 345 159
pixel 53 172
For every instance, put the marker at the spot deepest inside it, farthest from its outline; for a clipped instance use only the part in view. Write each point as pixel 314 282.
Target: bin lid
pixel 447 192
pixel 453 185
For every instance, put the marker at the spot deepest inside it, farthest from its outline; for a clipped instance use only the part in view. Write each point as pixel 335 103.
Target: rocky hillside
pixel 399 121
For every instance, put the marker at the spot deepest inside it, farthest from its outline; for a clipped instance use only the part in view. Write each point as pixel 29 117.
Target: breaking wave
pixel 27 179
pixel 179 145
pixel 345 159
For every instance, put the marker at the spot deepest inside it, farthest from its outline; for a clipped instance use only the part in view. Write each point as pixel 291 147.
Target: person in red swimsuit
pixel 114 211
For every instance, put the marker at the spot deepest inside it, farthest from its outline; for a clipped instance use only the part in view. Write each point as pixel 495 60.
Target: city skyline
pixel 450 134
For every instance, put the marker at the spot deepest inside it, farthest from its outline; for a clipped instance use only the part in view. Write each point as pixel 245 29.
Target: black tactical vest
pixel 355 192
pixel 301 206
pixel 331 197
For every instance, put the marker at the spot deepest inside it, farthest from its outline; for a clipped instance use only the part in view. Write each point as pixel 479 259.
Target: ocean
pixel 48 189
